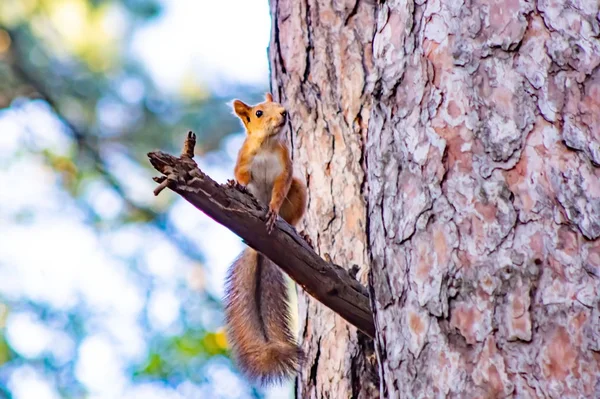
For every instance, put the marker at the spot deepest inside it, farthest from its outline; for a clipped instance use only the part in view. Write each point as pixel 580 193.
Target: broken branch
pixel 241 213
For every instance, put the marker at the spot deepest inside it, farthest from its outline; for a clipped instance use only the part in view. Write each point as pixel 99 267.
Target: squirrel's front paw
pixel 271 218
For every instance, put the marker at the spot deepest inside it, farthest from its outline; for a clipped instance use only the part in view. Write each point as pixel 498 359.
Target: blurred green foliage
pixel 183 352
pixel 73 57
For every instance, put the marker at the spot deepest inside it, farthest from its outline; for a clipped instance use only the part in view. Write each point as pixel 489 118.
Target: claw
pixel 270 222
pixel 306 238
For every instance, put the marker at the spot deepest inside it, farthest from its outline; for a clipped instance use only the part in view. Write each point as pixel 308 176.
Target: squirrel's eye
pixel 258 113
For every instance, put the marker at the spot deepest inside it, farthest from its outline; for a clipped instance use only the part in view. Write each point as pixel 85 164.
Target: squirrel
pixel 257 309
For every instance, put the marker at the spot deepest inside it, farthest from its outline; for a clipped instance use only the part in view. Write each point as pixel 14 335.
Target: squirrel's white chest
pixel 266 166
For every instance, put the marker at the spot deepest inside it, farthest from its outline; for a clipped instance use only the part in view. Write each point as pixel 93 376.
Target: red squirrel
pixel 256 302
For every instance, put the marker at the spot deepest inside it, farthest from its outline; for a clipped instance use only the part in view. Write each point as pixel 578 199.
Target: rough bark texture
pixel 483 190
pixel 484 198
pixel 321 65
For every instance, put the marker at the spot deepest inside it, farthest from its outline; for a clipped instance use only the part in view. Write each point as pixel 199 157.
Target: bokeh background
pixel 105 290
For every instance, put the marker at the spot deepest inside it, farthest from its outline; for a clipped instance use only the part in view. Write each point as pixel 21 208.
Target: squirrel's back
pixel 258 319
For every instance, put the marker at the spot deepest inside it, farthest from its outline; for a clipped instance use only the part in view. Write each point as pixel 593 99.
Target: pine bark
pixel 484 198
pixel 452 148
pixel 321 63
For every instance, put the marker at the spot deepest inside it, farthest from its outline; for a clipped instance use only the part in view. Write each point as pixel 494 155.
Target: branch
pixel 242 214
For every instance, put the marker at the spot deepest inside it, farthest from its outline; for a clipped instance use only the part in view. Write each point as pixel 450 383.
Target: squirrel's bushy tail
pixel 258 319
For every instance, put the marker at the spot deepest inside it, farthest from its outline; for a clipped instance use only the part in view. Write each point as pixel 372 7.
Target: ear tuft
pixel 241 109
pixel 269 97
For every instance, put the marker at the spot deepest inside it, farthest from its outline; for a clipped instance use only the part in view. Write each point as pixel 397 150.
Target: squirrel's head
pixel 267 118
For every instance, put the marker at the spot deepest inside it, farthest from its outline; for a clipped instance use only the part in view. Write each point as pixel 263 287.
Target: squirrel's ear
pixel 242 110
pixel 269 97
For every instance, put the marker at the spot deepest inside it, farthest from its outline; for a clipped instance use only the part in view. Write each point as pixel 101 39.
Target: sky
pixel 70 263
pixel 192 36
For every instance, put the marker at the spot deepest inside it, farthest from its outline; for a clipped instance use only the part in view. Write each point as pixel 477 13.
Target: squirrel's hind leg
pixel 294 205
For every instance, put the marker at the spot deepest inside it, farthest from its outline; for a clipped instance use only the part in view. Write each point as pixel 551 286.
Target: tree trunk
pixel 480 216
pixel 321 60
